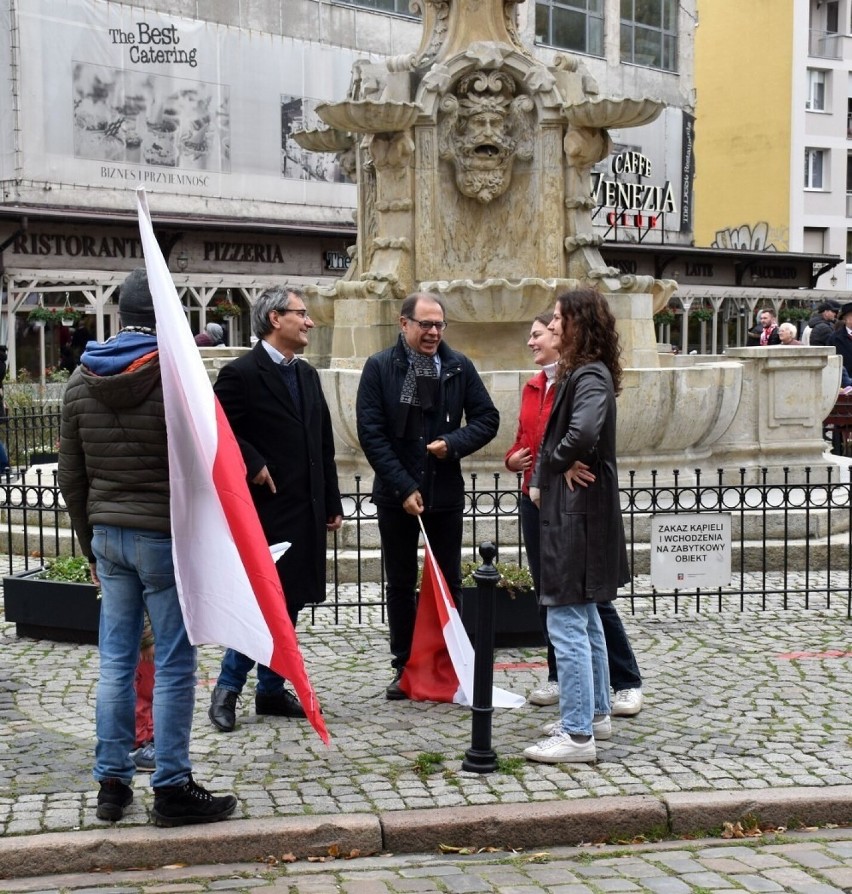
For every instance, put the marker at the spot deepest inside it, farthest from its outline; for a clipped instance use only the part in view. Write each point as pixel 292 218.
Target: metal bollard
pixel 480 757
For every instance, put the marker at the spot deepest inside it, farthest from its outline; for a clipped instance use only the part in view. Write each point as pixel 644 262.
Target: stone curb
pixel 691 812
pixel 233 841
pixel 514 826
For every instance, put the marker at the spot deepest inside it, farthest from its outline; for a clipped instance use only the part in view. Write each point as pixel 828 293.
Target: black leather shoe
pixel 281 704
pixel 223 709
pixel 394 693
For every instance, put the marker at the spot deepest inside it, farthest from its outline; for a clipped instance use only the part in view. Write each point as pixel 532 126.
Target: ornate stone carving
pixel 484 127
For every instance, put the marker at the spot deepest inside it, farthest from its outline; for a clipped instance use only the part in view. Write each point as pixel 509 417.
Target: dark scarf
pixel 419 392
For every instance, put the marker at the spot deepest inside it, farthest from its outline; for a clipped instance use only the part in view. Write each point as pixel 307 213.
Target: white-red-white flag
pixel 440 667
pixel 229 588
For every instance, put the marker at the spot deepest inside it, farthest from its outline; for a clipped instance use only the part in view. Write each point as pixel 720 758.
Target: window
pixel 814 240
pixel 400 6
pixel 649 33
pixel 814 167
pixel 816 90
pixel 571 25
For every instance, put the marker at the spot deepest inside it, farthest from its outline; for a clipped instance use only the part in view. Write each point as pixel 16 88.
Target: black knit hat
pixel 828 304
pixel 135 304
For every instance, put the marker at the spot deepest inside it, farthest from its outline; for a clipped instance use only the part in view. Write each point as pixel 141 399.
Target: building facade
pixel 774 100
pixel 198 102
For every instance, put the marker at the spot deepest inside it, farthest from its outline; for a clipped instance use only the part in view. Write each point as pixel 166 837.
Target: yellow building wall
pixel 743 78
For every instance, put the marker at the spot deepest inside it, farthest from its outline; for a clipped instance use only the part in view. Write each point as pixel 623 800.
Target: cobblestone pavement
pixel 799 863
pixel 757 700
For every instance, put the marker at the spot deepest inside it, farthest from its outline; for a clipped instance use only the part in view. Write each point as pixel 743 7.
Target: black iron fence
pixel 30 434
pixel 789 536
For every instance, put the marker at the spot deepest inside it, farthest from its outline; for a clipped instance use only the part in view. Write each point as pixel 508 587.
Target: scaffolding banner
pixel 113 96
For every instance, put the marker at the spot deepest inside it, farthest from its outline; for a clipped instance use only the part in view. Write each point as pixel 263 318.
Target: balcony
pixel 825 44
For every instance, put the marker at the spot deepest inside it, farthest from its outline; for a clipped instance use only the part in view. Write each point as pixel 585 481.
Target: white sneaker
pixel 546 694
pixel 627 703
pixel 601 728
pixel 562 749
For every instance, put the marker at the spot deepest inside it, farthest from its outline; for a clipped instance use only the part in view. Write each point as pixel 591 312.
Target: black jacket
pixel 821 330
pixel 842 343
pixel 402 465
pixel 583 551
pixel 298 450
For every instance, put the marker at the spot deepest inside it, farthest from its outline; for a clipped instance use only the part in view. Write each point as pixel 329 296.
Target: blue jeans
pixel 578 640
pixel 236 667
pixel 623 668
pixel 136 573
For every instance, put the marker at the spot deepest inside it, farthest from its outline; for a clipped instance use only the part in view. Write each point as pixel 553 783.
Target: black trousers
pixel 400 534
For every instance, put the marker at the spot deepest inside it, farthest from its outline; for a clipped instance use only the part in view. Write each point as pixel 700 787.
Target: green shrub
pixel 74 569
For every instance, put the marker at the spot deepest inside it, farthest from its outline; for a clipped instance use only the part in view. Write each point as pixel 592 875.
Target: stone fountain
pixel 472 161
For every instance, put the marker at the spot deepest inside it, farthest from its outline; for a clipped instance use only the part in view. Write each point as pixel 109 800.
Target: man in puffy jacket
pixel 412 399
pixel 820 327
pixel 114 476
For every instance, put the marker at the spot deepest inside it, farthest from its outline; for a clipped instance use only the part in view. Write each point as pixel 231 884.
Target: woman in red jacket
pixel 536 402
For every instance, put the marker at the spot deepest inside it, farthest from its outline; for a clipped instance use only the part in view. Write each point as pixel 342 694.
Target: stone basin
pixel 667 417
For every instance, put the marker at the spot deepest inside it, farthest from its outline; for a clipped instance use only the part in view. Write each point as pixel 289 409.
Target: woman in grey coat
pixel 583 554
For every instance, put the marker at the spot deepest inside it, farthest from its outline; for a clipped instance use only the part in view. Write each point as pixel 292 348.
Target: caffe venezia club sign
pixel 633 203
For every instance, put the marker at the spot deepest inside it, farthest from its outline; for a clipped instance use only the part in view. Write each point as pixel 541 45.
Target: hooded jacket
pixel 113 457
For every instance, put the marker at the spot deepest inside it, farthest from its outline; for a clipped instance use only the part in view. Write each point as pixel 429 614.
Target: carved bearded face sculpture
pixel 483 130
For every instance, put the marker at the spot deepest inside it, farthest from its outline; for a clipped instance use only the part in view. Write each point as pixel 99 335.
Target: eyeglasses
pixel 426 325
pixel 301 311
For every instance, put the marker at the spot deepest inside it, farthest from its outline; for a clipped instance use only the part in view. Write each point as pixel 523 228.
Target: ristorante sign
pixel 628 201
pixel 117 250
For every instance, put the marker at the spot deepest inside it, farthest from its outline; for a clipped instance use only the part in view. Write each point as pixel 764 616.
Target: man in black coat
pixel 841 340
pixel 821 324
pixel 275 405
pixel 411 401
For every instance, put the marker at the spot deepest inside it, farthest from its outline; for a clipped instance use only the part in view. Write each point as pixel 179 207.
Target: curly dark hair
pixel 594 334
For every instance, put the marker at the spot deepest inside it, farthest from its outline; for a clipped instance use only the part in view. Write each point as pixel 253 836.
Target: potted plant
pixel 222 310
pixel 66 316
pixel 43 454
pixel 516 616
pixel 702 314
pixel 40 315
pixel 56 602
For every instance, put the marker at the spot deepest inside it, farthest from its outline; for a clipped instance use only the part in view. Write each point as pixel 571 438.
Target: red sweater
pixel 532 420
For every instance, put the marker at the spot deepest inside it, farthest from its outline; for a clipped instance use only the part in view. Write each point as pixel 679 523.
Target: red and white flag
pixel 229 588
pixel 440 667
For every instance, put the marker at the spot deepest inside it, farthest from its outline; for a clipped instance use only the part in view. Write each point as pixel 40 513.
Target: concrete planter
pixel 516 620
pixel 51 609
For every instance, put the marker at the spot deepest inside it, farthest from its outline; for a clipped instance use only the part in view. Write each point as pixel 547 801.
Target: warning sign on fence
pixel 690 551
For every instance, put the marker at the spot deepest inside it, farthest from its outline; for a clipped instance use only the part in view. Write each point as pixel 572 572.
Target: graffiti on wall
pixel 752 237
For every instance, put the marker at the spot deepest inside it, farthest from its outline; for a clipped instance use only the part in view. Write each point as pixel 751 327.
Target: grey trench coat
pixel 583 552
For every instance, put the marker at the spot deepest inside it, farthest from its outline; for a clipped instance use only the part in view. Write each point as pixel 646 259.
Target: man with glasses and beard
pixel 421 408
